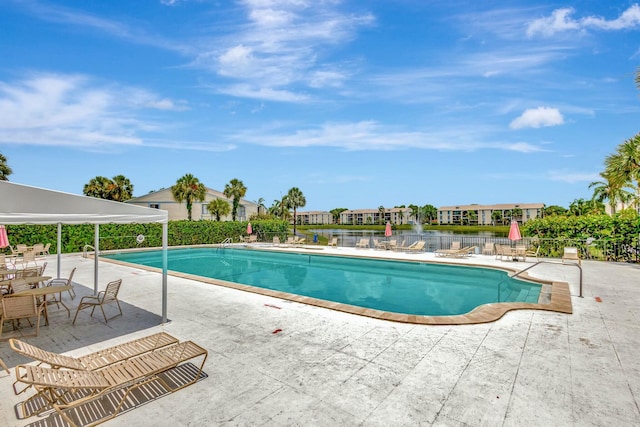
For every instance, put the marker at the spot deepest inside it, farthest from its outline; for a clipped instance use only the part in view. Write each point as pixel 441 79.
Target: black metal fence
pixel 603 250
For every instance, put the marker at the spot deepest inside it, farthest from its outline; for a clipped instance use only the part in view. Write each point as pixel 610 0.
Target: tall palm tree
pixel 609 190
pixel 415 212
pixel 261 206
pixel 295 199
pixel 218 208
pixel 381 214
pixel 121 188
pixel 188 189
pixel 235 190
pixel 5 170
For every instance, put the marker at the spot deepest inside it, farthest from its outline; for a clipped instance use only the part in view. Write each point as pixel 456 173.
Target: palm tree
pixel 294 200
pixel 381 214
pixel 623 167
pixel 430 212
pixel 336 214
pixel 611 190
pixel 496 216
pixel 415 213
pixel 97 187
pixel 5 170
pixel 121 188
pixel 235 190
pixel 188 189
pixel 218 208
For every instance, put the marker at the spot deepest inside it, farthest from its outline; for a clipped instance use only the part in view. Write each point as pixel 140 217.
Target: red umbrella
pixel 4 239
pixel 249 229
pixel 387 230
pixel 514 231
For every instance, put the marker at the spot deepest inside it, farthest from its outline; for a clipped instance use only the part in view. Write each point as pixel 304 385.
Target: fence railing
pixel 604 250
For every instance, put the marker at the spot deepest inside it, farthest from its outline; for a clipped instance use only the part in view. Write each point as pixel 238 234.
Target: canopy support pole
pixel 165 234
pixel 59 247
pixel 96 240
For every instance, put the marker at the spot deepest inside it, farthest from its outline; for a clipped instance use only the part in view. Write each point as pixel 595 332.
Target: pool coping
pixel 554 295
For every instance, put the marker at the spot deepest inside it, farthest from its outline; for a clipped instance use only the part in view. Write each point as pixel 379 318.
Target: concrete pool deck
pixel 325 367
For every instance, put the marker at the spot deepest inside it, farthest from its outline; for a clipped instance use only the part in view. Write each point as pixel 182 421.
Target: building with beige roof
pixel 375 216
pixel 163 199
pixel 475 214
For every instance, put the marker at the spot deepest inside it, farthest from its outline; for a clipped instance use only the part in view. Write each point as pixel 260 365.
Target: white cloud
pixel 573 177
pixel 372 136
pixel 72 110
pixel 561 20
pixel 538 117
pixel 284 48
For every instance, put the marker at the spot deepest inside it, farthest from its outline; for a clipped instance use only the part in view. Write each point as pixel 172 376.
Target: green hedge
pixel 605 237
pixel 123 236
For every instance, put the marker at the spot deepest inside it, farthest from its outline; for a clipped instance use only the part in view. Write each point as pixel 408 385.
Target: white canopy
pixel 22 204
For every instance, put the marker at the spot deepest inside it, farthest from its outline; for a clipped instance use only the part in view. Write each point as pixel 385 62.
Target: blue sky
pixel 357 103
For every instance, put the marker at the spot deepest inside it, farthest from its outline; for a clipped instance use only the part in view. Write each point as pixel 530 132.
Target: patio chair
pixel 488 248
pixel 45 250
pixel 363 243
pixel 38 248
pixel 333 242
pixel 4 366
pixel 276 241
pixel 28 257
pixel 62 282
pixel 533 252
pixel 108 296
pixel 67 390
pixel 571 254
pixel 16 307
pixel 455 246
pixel 402 246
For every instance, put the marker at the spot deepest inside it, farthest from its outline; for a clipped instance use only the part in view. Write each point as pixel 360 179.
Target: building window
pixel 154 205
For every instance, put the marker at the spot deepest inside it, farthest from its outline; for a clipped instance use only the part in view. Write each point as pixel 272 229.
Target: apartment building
pixel 489 214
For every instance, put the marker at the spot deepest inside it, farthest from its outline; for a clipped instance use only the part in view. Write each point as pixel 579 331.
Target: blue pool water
pixel 394 286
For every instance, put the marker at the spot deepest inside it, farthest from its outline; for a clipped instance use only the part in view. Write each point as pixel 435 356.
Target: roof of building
pixel 501 206
pixel 160 196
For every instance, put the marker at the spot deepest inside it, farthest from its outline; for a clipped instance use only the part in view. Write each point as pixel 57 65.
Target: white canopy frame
pixel 22 204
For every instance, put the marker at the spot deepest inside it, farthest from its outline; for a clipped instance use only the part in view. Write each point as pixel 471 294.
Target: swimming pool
pixel 414 288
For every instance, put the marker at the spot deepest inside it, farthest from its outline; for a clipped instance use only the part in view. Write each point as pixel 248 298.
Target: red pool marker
pixel 272 306
pixel 598 299
pixel 276 331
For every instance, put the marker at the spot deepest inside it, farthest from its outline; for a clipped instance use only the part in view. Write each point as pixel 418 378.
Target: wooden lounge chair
pixel 455 253
pixel 571 254
pixel 533 252
pixel 416 247
pixel 108 296
pixel 16 307
pixel 333 242
pixel 92 361
pixel 68 389
pixel 98 359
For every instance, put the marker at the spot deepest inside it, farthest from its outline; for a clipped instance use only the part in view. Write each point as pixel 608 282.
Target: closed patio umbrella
pixel 249 229
pixel 514 231
pixel 4 239
pixel 387 230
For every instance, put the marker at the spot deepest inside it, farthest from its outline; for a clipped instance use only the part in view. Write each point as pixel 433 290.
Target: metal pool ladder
pixel 551 262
